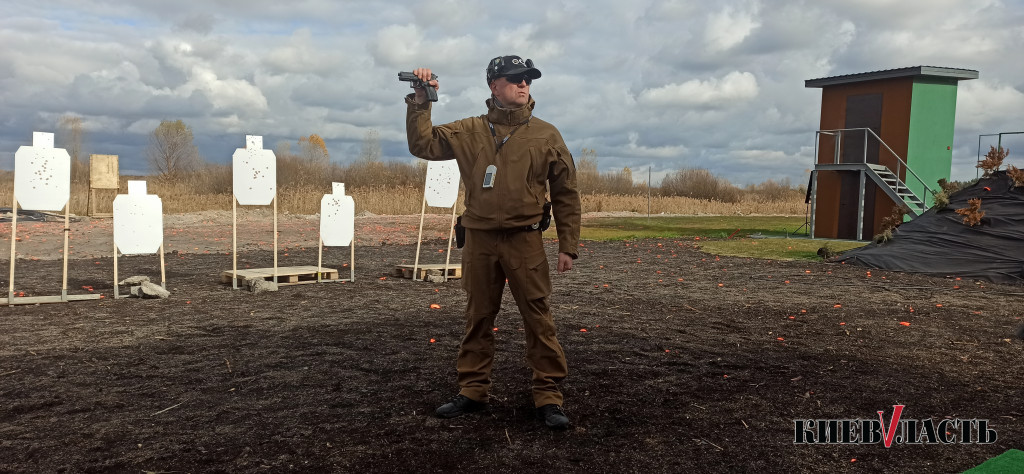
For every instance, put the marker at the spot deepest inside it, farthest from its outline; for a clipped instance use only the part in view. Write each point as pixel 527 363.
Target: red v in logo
pixel 890 431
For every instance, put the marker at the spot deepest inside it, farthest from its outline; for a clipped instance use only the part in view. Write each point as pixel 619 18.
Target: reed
pixel 397 189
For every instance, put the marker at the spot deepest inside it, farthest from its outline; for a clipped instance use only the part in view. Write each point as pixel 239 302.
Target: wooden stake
pixel 275 237
pixel 67 237
pixel 14 238
pixel 451 233
pixel 419 240
pixel 116 285
pixel 352 259
pixel 320 258
pixel 234 242
pixel 163 272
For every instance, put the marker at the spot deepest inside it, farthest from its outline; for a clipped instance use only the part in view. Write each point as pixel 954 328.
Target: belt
pixel 525 228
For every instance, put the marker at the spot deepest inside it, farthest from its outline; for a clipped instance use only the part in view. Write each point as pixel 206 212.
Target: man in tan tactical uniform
pixel 507 159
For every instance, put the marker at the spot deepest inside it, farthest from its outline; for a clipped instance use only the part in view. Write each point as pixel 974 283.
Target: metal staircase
pixel 910 191
pixel 896 189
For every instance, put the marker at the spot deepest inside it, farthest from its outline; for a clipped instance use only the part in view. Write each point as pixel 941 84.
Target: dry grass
pixel 748 204
pixel 993 160
pixel 1016 174
pixel 302 184
pixel 972 213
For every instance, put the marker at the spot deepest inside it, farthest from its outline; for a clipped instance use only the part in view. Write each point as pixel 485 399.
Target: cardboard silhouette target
pixel 337 229
pixel 42 182
pixel 104 179
pixel 441 190
pixel 254 183
pixel 138 227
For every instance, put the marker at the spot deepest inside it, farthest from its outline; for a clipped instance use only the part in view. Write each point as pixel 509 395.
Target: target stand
pixel 441 190
pixel 42 182
pixel 337 229
pixel 138 228
pixel 254 183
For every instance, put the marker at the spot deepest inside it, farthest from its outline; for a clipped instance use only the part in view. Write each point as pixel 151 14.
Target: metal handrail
pixel 904 163
pixel 836 156
pixel 999 143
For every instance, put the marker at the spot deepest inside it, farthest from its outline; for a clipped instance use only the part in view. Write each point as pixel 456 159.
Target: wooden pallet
pixel 405 271
pixel 47 299
pixel 285 275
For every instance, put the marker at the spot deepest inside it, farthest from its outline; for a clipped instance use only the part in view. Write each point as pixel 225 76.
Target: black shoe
pixel 553 416
pixel 458 406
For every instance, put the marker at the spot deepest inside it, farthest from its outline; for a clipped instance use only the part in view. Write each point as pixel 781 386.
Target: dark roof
pixel 932 71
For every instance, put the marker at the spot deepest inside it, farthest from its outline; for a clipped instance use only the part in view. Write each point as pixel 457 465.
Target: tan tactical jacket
pixel 533 155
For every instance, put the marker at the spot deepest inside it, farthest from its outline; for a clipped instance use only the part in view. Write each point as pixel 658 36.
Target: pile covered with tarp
pixel 940 243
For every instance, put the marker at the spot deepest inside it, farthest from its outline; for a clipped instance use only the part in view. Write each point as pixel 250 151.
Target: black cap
pixel 502 66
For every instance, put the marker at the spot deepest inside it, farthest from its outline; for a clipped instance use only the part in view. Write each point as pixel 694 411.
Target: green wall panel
pixel 932 116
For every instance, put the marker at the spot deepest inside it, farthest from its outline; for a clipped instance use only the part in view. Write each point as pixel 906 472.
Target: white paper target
pixel 138 221
pixel 442 189
pixel 337 218
pixel 42 175
pixel 254 173
pixel 42 139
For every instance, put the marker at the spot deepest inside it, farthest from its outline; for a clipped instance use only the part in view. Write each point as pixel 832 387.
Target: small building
pixel 884 141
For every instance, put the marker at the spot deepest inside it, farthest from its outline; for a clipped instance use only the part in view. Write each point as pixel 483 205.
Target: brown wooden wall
pixel 895 132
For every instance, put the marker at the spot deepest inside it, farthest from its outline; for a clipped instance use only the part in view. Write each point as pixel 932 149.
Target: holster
pixel 460 233
pixel 545 220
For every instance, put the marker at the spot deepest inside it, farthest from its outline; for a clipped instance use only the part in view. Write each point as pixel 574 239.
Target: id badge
pixel 489 176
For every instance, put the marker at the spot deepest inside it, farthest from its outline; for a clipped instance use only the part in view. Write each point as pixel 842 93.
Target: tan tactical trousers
pixel 488 259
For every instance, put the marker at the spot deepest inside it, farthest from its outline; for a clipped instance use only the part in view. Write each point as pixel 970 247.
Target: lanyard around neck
pixel 503 140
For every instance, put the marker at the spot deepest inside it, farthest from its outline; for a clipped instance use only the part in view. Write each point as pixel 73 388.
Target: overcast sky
pixel 669 84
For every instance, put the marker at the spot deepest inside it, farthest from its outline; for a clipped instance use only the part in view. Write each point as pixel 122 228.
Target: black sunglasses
pixel 516 79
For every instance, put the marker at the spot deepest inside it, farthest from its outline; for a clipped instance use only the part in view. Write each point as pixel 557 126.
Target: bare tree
pixel 371 147
pixel 587 176
pixel 314 150
pixel 172 151
pixel 70 135
pixel 283 149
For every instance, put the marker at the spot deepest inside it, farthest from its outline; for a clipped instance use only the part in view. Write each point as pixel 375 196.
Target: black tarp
pixel 939 243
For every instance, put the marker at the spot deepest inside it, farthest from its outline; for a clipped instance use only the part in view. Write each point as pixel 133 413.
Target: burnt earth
pixel 688 362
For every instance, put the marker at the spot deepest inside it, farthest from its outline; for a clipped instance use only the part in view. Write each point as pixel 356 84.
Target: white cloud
pixel 735 86
pixel 228 94
pixel 301 55
pixel 633 148
pixel 399 45
pixel 668 84
pixel 988 107
pixel 728 27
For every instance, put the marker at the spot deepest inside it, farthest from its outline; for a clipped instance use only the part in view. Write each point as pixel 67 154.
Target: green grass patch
pixel 627 228
pixel 719 229
pixel 776 248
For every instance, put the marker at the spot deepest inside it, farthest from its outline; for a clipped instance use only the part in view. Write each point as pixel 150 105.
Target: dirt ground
pixel 679 361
